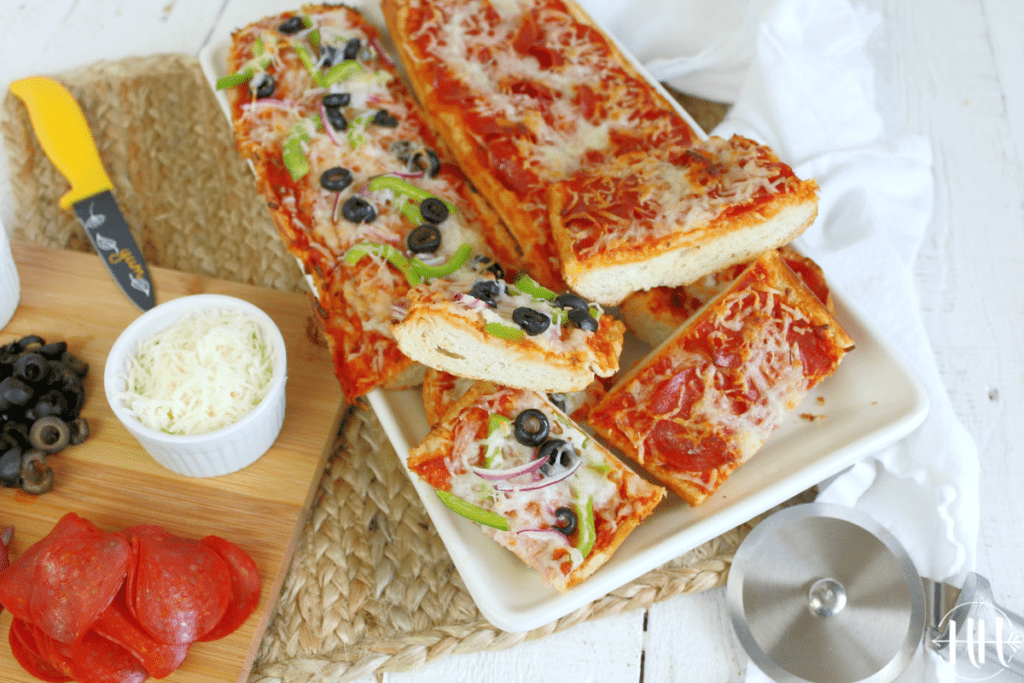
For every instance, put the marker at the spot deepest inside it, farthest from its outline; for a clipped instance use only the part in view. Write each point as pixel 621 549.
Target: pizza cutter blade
pixel 821 592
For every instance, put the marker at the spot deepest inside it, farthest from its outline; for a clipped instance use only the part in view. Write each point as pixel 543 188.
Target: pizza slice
pixel 512 462
pixel 668 217
pixel 472 323
pixel 354 177
pixel 654 314
pixel 705 401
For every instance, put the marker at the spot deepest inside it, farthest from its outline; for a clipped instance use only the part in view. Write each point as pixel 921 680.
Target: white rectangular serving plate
pixel 872 401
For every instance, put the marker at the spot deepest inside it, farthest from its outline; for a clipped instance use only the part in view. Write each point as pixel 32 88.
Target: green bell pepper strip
pixel 237 78
pixel 292 153
pixel 415 271
pixel 506 332
pixel 355 130
pixel 530 286
pixel 472 512
pixel 411 210
pixel 457 260
pixel 260 60
pixel 388 253
pixel 341 72
pixel 306 57
pixel 495 422
pixel 587 528
pixel 402 187
pixel 314 38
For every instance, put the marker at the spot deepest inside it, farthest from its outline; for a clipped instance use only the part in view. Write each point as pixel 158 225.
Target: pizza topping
pixel 506 332
pixel 357 210
pixel 336 179
pixel 336 100
pixel 532 427
pixel 352 48
pixel 424 239
pixel 561 457
pixel 384 119
pixel 293 25
pixel 335 119
pixel 567 521
pixel 530 320
pixel 487 291
pixel 588 528
pixel 293 152
pixel 472 512
pixel 262 85
pixel 433 210
pixel 583 320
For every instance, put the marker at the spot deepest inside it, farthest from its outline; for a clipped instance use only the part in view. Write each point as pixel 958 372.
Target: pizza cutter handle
pixel 65 137
pixel 979 618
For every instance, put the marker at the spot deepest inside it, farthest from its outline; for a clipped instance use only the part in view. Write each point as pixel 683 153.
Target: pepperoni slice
pixel 98 660
pixel 26 651
pixel 245 586
pixel 117 624
pixel 64 581
pixel 181 587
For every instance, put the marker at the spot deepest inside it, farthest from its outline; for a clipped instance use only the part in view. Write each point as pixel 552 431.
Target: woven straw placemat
pixel 371 587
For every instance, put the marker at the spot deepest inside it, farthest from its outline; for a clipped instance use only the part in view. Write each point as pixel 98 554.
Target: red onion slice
pixel 543 482
pixel 547 535
pixel 510 473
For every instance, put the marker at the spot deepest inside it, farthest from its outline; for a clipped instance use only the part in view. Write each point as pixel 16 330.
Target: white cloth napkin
pixel 799 78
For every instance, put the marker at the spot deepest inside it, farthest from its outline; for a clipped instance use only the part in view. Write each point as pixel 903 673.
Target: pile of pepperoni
pixel 91 605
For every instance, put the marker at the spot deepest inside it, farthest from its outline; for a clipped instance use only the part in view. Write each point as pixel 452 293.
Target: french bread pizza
pixel 362 191
pixel 512 462
pixel 474 324
pixel 705 400
pixel 603 182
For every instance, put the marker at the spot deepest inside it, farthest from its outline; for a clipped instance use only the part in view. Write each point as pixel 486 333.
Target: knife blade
pixel 65 137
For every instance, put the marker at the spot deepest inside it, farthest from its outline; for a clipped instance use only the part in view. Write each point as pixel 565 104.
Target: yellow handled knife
pixel 65 137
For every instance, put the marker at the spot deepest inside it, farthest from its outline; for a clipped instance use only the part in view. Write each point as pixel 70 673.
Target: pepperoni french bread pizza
pixel 359 186
pixel 511 461
pixel 704 402
pixel 600 178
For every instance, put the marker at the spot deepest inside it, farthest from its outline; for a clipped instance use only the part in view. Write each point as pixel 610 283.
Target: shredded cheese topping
pixel 201 374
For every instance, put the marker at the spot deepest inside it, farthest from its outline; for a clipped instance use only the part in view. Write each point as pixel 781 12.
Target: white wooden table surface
pixel 952 70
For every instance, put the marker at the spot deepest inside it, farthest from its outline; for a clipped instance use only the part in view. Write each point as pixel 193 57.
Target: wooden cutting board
pixel 110 480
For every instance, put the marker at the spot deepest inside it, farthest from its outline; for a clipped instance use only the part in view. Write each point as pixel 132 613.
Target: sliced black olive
pixel 384 119
pixel 559 454
pixel 530 320
pixel 567 521
pixel 79 430
pixel 36 475
pixel 49 434
pixel 336 118
pixel 15 392
pixel 433 210
pixel 53 350
pixel 402 149
pixel 487 291
pixel 292 25
pixel 31 367
pixel 570 300
pixel 330 55
pixel 531 427
pixel 336 179
pixel 30 341
pixel 76 365
pixel 558 400
pixel 352 48
pixel 494 266
pixel 10 467
pixel 358 210
pixel 262 86
pixel 425 160
pixel 16 431
pixel 51 403
pixel 336 99
pixel 424 240
pixel 583 320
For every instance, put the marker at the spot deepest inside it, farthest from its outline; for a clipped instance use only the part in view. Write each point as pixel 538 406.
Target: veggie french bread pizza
pixel 600 178
pixel 705 401
pixel 655 314
pixel 474 324
pixel 509 460
pixel 358 184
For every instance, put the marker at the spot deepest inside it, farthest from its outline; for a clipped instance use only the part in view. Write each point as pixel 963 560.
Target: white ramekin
pixel 215 453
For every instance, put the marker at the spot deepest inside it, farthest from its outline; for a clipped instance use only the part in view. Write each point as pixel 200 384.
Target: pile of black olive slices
pixel 41 395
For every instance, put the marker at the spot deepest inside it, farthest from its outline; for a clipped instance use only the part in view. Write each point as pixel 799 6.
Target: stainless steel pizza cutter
pixel 823 593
